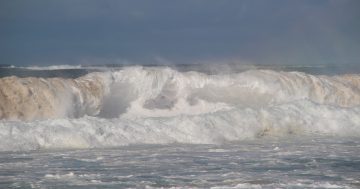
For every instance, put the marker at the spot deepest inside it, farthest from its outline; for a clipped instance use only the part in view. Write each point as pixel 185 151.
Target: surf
pixel 161 105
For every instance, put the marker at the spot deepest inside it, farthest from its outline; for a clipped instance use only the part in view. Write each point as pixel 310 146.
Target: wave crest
pixel 39 98
pixel 162 105
pixel 153 92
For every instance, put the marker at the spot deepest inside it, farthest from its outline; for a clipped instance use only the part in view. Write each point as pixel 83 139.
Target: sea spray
pixel 138 105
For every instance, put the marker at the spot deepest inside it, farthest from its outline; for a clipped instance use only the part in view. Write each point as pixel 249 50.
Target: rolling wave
pixel 161 105
pixel 38 98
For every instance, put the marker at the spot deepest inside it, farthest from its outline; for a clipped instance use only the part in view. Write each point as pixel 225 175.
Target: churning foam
pixel 162 105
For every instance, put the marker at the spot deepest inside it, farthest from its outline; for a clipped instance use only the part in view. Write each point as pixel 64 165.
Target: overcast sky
pixel 46 32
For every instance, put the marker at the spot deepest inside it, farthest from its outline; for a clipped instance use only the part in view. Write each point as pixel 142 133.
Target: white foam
pixel 54 67
pixel 299 118
pixel 146 92
pixel 166 92
pixel 159 105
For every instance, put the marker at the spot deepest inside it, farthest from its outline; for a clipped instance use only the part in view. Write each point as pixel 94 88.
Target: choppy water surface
pixel 317 162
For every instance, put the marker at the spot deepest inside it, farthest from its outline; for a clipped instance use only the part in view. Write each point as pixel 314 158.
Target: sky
pixel 306 32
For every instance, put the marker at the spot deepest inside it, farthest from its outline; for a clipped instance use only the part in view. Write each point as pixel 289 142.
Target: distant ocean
pixel 180 126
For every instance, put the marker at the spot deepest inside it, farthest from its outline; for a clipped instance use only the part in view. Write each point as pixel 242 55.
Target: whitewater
pixel 222 119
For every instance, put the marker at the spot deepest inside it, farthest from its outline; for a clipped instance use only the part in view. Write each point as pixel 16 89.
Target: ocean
pixel 180 126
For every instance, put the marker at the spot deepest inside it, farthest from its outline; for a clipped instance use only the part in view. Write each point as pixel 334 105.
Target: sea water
pixel 163 127
pixel 292 162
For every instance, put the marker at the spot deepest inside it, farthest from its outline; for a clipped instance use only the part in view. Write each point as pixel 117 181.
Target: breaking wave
pixel 161 105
